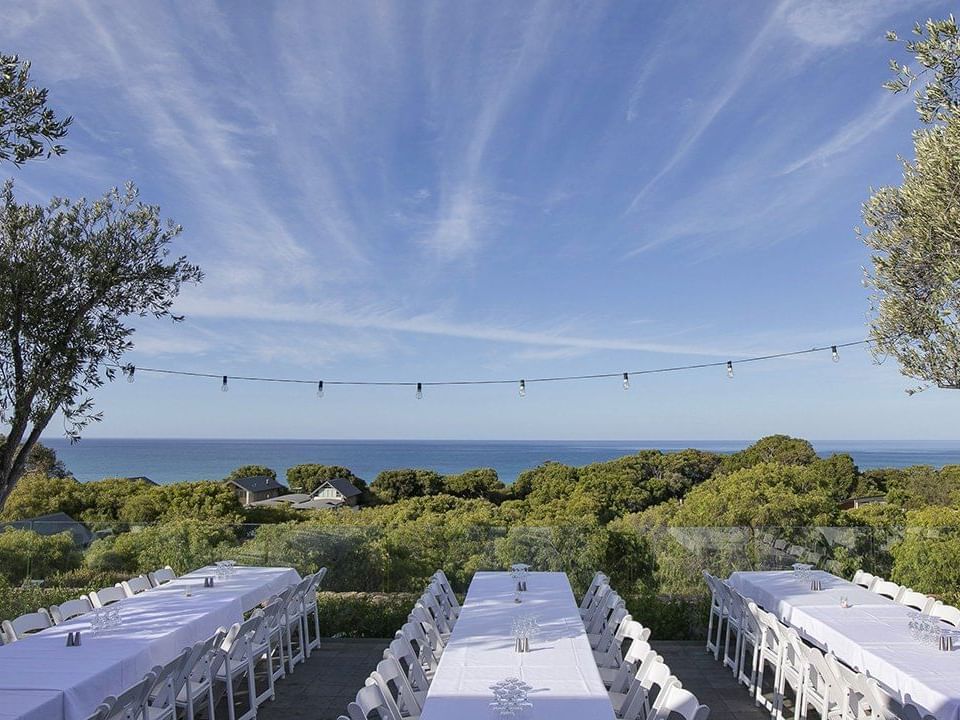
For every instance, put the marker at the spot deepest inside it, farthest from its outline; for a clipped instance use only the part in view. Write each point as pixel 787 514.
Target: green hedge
pixel 363 615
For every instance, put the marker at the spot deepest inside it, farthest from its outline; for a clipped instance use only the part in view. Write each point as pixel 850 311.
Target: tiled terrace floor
pixel 321 688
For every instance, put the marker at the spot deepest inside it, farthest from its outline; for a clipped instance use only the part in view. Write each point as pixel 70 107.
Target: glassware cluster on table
pixel 929 630
pixel 524 628
pixel 106 618
pixel 225 568
pixel 510 698
pixel 802 572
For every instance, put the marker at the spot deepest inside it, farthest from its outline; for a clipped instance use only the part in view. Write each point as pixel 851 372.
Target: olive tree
pixel 72 275
pixel 28 128
pixel 913 230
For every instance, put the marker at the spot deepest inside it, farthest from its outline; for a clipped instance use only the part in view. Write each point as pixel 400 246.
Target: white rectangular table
pixel 480 652
pixel 157 624
pixel 872 635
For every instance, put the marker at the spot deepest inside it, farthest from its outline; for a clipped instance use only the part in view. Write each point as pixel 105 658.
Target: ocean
pixel 172 460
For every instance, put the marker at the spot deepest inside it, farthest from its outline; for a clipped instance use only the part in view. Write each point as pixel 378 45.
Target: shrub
pixel 364 615
pixel 26 554
pixel 184 545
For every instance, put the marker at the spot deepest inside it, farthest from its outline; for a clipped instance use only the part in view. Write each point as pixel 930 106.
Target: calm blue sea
pixel 170 460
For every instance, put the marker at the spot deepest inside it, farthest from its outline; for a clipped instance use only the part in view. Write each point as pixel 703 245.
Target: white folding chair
pixel 718 612
pixel 162 695
pixel 267 640
pixel 641 700
pixel 596 603
pixel 403 652
pixel 793 664
pixel 440 619
pixel 769 651
pixel 947 613
pixel 676 700
pixel 237 658
pixel 450 612
pixel 735 611
pixel 21 627
pixel 601 641
pixel 864 579
pixel 750 629
pixel 630 630
pixel 106 596
pixel 290 621
pixel 888 589
pixel 396 690
pixel 598 579
pixel 161 576
pixel 611 603
pixel 821 689
pixel 916 600
pixel 135 585
pixel 131 704
pixel 369 699
pixel 447 590
pixel 70 609
pixel 435 639
pixel 617 680
pixel 199 672
pixel 415 635
pixel 310 609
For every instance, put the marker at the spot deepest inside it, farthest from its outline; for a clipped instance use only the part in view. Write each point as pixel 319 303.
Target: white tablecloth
pixel 872 636
pixel 560 665
pixel 157 624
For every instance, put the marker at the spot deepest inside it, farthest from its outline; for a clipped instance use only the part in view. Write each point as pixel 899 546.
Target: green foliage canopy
pixel 28 128
pixel 913 230
pixel 72 274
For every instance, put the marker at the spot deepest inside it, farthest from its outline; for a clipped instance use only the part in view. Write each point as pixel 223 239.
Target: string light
pixel 131 369
pixel 419 391
pixel 625 376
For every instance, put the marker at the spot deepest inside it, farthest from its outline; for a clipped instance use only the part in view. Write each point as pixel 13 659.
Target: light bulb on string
pixel 223 385
pixel 320 389
pixel 523 388
pixel 131 369
pixel 419 391
pixel 730 369
pixel 834 354
pixel 626 381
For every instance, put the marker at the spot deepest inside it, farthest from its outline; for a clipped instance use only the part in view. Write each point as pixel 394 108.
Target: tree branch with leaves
pixel 913 230
pixel 72 276
pixel 28 128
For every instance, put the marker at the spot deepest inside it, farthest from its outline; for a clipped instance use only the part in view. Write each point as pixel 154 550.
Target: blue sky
pixel 430 191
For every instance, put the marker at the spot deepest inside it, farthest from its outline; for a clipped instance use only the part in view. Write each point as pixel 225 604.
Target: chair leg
pixel 228 681
pixel 316 625
pixel 252 687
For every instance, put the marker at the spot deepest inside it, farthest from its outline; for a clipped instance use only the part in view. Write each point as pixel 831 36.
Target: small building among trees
pixel 337 492
pixel 256 488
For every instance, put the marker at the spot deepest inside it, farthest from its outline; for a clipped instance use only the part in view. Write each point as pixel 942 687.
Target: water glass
pixel 97 621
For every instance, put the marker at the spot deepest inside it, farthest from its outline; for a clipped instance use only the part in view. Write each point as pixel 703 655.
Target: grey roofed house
pixel 143 479
pixel 52 524
pixel 339 490
pixel 256 488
